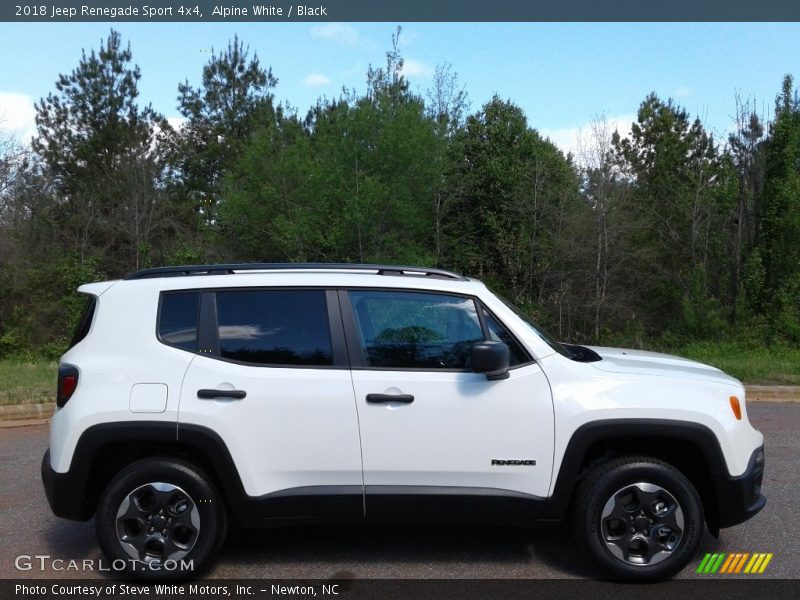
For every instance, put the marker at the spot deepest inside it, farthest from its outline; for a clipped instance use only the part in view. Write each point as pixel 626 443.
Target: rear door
pixel 437 439
pixel 271 378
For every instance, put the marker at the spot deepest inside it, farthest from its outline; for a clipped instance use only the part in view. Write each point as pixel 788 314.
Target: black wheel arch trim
pixel 735 498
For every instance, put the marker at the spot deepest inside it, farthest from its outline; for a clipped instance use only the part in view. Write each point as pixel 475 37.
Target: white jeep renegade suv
pixel 279 393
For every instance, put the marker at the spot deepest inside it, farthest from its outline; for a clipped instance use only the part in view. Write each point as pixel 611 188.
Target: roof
pixel 235 268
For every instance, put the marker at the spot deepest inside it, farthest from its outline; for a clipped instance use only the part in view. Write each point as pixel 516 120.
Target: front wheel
pixel 160 519
pixel 639 518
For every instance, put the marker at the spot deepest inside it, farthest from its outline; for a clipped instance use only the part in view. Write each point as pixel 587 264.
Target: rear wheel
pixel 160 519
pixel 638 517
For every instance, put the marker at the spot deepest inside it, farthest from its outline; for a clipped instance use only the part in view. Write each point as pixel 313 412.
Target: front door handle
pixel 212 394
pixel 385 398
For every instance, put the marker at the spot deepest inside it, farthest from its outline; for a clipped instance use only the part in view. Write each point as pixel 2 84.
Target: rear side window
pixel 85 321
pixel 177 323
pixel 415 330
pixel 274 327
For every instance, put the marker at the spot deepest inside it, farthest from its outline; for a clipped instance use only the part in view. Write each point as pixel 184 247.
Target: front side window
pixel 415 330
pixel 498 333
pixel 274 327
pixel 557 346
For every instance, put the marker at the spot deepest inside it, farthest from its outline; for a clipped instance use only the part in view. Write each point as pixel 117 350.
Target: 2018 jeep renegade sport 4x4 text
pixel 277 394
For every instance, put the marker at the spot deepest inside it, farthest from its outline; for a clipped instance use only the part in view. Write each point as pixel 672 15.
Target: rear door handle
pixel 385 398
pixel 212 394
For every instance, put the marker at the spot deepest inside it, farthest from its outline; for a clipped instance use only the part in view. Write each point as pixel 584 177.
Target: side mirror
pixel 491 358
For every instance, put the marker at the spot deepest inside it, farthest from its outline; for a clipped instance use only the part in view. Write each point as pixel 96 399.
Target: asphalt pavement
pixel 28 528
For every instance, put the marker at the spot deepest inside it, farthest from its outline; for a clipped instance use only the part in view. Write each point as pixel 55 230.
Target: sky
pixel 562 75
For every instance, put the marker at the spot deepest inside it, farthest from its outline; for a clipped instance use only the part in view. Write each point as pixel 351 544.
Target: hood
pixel 623 360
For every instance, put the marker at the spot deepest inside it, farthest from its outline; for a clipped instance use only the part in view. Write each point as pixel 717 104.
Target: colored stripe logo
pixel 737 562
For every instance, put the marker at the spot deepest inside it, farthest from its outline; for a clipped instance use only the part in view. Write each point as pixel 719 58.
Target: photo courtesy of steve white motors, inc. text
pixel 172 589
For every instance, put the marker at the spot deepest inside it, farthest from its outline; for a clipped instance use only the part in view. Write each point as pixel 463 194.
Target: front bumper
pixel 66 492
pixel 739 498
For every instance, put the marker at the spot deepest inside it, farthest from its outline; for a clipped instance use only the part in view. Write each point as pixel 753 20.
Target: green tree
pixel 86 203
pixel 355 181
pixel 610 252
pixel 272 211
pixel 447 101
pixel 746 150
pixel 517 199
pixel 95 142
pixel 678 175
pixel 446 106
pixel 232 99
pixel 780 215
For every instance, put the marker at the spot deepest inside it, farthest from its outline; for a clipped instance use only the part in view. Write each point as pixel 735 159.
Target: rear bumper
pixel 739 498
pixel 66 492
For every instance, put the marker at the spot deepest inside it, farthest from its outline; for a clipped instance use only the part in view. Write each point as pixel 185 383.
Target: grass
pixel 35 381
pixel 27 382
pixel 776 365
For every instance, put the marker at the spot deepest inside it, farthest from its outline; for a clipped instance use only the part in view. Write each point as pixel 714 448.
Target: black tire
pixel 661 512
pixel 160 519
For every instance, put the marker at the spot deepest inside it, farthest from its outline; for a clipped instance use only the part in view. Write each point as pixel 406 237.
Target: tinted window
pixel 177 324
pixel 85 321
pixel 275 327
pixel 558 347
pixel 415 330
pixel 498 333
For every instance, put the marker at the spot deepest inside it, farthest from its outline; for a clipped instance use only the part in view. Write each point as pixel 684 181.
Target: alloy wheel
pixel 157 522
pixel 642 524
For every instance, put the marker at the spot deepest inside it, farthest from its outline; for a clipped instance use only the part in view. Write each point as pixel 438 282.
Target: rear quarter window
pixel 85 321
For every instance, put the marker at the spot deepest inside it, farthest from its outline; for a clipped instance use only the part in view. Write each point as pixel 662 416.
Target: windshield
pixel 557 346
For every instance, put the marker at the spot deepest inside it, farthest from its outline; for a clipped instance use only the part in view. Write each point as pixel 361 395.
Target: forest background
pixel 664 238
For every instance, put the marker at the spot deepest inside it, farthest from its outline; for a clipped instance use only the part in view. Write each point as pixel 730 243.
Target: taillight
pixel 67 383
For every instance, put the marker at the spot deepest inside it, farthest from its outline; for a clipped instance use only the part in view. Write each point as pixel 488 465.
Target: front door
pixel 437 439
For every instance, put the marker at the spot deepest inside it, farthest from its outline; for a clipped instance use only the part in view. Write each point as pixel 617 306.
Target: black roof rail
pixel 228 269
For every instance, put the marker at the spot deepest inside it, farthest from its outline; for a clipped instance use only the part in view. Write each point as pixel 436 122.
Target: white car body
pixel 626 384
pixel 311 428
